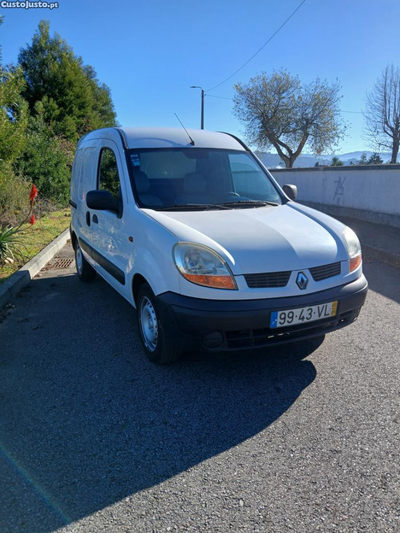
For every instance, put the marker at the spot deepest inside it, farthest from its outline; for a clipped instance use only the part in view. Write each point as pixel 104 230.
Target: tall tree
pixel 363 160
pixel 336 162
pixel 74 101
pixel 13 125
pixel 279 111
pixel 103 108
pixel 382 112
pixel 1 22
pixel 13 114
pixel 375 159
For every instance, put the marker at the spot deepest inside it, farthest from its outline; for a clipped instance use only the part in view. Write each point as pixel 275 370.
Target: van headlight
pixel 353 247
pixel 203 266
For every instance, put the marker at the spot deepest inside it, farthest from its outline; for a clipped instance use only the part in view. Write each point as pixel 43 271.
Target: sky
pixel 150 52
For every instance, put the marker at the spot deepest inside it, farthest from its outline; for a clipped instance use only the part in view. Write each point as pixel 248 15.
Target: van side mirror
pixel 291 191
pixel 101 200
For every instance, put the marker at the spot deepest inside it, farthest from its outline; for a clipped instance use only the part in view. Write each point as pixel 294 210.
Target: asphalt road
pixel 94 438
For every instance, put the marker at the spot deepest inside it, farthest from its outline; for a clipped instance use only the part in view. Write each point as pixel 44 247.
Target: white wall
pixel 367 192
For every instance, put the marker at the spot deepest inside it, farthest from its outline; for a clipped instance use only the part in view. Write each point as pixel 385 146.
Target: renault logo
pixel 301 281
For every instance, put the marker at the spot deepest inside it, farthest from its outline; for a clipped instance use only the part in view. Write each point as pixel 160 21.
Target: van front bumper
pixel 193 323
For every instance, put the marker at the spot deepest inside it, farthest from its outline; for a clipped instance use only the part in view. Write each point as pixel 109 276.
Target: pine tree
pixel 375 159
pixel 363 160
pixel 74 102
pixel 66 101
pixel 336 162
pixel 13 124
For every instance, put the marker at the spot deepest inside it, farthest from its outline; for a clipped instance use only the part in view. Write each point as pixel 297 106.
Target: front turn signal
pixel 355 262
pixel 216 282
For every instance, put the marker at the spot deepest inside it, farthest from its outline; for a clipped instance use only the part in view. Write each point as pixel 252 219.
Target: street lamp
pixel 202 103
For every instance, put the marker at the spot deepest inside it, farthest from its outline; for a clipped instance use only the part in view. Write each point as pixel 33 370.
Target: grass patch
pixel 37 237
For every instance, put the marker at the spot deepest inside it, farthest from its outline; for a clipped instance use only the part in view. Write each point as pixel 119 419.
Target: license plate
pixel 301 315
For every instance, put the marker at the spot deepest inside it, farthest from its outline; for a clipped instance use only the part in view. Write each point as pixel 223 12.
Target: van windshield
pixel 199 178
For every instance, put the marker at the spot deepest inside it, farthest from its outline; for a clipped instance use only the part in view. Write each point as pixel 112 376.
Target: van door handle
pixel 95 219
pixel 88 218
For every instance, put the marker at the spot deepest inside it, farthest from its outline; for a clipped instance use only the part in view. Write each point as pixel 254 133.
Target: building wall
pixel 369 193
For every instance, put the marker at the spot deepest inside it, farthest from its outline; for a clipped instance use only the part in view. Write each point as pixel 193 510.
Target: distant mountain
pixel 309 160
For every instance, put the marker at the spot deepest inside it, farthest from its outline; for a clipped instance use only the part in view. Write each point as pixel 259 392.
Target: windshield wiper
pixel 178 207
pixel 208 207
pixel 250 203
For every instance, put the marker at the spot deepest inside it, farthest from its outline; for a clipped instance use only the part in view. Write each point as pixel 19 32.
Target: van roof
pixel 168 138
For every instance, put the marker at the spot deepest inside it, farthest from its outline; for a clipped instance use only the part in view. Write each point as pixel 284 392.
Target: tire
pixel 85 271
pixel 152 331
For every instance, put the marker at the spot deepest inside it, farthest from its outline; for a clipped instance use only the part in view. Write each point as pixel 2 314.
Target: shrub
pixel 10 245
pixel 14 191
pixel 10 237
pixel 47 160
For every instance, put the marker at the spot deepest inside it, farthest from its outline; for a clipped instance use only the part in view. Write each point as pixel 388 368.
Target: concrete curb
pixel 23 276
pixel 382 256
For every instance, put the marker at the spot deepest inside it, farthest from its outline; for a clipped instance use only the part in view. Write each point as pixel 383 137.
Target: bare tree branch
pixel 382 112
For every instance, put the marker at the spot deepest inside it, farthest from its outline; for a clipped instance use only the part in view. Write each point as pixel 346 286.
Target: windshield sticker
pixel 135 160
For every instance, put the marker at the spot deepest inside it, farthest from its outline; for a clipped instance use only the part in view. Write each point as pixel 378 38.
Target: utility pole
pixel 202 104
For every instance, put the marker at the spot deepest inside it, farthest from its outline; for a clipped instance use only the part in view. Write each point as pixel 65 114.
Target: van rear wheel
pixel 85 271
pixel 157 349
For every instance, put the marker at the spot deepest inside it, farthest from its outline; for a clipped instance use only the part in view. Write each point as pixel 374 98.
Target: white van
pixel 196 234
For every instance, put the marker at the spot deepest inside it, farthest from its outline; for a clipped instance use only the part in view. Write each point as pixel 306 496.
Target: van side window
pixel 108 172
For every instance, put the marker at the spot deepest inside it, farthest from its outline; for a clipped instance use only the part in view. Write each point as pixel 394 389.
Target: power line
pixel 222 97
pixel 259 50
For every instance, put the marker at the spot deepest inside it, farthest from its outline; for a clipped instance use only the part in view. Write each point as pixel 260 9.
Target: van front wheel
pixel 152 331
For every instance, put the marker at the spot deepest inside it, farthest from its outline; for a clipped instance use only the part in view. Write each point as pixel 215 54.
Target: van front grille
pixel 325 272
pixel 267 280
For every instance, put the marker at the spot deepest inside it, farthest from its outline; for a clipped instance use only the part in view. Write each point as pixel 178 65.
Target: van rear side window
pixel 76 174
pixel 85 172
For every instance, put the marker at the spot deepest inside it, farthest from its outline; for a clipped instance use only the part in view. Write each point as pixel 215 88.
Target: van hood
pixel 265 239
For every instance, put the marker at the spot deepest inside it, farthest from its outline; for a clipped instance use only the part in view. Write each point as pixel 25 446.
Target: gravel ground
pixel 94 438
